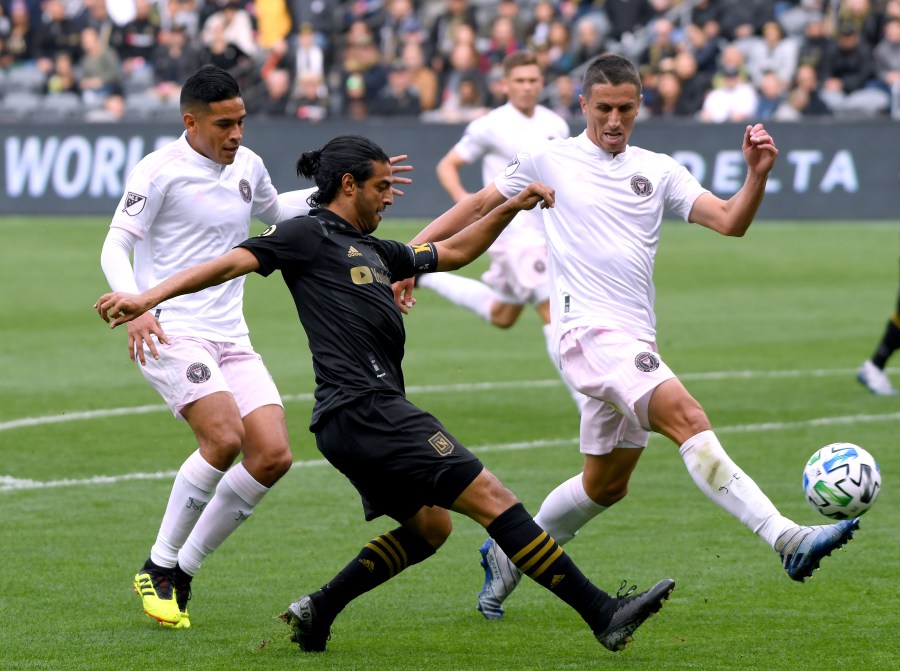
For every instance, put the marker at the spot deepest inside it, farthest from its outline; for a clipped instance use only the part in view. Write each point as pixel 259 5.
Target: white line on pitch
pixel 8 483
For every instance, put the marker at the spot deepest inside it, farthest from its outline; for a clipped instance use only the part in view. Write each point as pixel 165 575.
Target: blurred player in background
pixel 518 272
pixel 188 202
pixel 871 373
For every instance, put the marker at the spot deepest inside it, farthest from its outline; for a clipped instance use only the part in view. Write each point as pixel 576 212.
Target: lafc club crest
pixel 441 444
pixel 246 191
pixel 641 186
pixel 646 362
pixel 134 203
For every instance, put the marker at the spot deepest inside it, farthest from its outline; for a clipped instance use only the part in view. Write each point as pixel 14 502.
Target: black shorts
pixel 398 456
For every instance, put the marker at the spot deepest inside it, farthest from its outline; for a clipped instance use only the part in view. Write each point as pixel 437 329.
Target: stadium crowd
pixel 712 60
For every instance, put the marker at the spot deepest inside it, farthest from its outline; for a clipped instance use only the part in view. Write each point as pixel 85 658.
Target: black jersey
pixel 341 281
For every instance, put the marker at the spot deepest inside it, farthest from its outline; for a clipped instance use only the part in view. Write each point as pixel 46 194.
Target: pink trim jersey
pixel 497 136
pixel 187 209
pixel 603 233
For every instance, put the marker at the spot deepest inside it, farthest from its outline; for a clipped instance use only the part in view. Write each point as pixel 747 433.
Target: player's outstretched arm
pixel 471 242
pixel 118 307
pixel 734 216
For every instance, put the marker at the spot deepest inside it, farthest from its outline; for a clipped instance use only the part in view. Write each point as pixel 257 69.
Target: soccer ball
pixel 841 481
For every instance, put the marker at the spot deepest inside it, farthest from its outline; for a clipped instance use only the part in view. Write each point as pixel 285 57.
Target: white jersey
pixel 496 138
pixel 187 209
pixel 603 232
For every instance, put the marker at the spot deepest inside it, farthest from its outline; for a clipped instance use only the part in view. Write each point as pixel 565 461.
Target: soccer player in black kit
pixel 401 459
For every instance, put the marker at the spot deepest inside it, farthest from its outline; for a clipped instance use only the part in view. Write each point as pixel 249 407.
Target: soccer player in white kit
pixel 518 272
pixel 602 238
pixel 188 202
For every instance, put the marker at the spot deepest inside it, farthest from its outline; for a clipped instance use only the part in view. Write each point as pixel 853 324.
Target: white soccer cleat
pixel 500 578
pixel 875 380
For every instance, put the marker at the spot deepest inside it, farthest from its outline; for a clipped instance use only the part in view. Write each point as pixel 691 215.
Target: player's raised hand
pixel 395 169
pixel 759 149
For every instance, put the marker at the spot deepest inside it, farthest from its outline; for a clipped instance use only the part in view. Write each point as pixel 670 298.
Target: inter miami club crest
pixel 246 191
pixel 646 362
pixel 134 203
pixel 641 186
pixel 198 372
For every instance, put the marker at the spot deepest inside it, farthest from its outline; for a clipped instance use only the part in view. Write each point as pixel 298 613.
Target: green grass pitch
pixel 766 331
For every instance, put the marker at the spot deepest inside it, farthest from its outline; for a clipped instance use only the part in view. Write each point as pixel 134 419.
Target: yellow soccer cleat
pixel 154 585
pixel 182 586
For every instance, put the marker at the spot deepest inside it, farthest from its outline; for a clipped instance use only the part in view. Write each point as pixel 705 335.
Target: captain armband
pixel 425 258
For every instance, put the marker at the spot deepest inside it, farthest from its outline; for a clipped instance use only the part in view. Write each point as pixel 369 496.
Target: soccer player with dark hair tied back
pixel 402 460
pixel 602 238
pixel 190 201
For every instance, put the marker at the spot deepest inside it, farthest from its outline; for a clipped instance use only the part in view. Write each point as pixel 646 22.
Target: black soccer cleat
pixel 631 612
pixel 308 629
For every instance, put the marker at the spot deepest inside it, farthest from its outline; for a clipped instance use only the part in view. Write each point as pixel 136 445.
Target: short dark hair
pixel 210 84
pixel 611 69
pixel 343 154
pixel 517 59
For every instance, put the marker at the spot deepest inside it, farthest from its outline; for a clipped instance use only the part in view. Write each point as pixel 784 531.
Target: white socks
pixel 193 488
pixel 463 291
pixel 196 522
pixel 236 496
pixel 732 489
pixel 566 509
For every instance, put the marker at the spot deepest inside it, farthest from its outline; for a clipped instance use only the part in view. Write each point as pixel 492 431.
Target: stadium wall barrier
pixel 837 170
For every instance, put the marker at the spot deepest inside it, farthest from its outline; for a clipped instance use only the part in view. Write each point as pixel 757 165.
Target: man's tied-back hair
pixel 344 154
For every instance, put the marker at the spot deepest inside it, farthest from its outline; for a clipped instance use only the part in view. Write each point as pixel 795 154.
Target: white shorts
pixel 191 368
pixel 518 273
pixel 616 371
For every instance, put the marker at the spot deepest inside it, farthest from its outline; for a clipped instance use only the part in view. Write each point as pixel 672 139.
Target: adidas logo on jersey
pixel 353 252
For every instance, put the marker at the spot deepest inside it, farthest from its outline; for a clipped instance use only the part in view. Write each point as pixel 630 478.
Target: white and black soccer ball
pixel 841 481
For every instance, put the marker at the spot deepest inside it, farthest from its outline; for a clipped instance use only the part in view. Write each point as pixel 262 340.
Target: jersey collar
pixel 585 143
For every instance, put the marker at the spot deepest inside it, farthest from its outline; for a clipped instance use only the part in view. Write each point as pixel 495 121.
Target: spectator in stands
pixel 138 42
pixel 218 51
pixel 501 42
pixel 20 48
pixel 732 98
pixel 815 45
pixel 175 59
pixel 772 93
pixel 398 97
pixel 772 52
pixel 860 14
pixel 400 18
pixel 184 13
pixel 424 79
pixel 309 100
pixel 276 91
pixel 739 19
pixel 62 78
pixel 308 55
pixel 666 99
pixel 95 15
pixel 443 33
pixel 236 26
pixel 456 104
pixel 273 22
pixel 362 62
pixel 627 17
pixel 887 61
pixel 662 45
pixel 704 43
pixel 849 65
pixel 99 67
pixel 794 19
pixel 564 98
pixel 57 33
pixel 537 34
pixel 509 9
pixel 694 83
pixel 355 102
pixel 807 81
pixel 560 57
pixel 588 40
